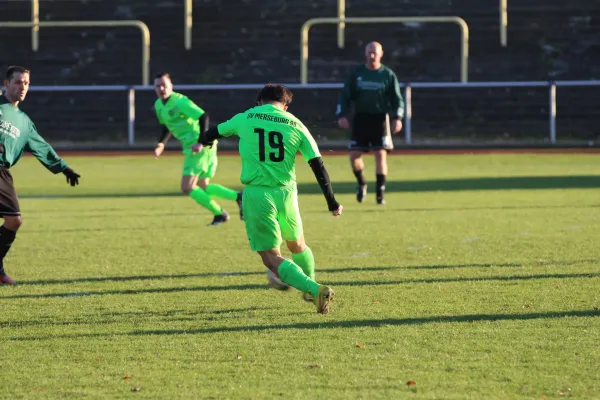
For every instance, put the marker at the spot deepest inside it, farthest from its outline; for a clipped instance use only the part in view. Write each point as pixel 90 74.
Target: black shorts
pixel 370 132
pixel 9 203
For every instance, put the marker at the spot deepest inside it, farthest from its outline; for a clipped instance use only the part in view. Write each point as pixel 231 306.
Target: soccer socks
pixel 380 187
pixel 360 177
pixel 7 237
pixel 292 274
pixel 306 261
pixel 221 192
pixel 205 201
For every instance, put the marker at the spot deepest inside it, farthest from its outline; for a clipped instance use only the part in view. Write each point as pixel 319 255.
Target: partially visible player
pixel 374 90
pixel 17 135
pixel 181 117
pixel 270 138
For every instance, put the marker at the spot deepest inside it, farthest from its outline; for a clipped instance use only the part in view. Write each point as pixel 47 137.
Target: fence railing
pixel 408 89
pixel 145 32
pixel 464 36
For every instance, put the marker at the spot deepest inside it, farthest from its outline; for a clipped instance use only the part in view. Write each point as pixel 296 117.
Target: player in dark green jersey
pixel 181 117
pixel 17 135
pixel 270 138
pixel 374 91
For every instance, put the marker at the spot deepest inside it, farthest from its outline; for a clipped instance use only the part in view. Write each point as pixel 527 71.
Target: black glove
pixel 72 176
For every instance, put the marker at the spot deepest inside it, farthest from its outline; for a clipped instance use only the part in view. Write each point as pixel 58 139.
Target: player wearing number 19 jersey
pixel 270 138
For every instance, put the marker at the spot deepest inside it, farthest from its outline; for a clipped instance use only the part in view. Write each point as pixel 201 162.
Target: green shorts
pixel 270 215
pixel 203 164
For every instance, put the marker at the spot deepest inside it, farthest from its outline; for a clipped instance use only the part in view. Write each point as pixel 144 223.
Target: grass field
pixel 479 279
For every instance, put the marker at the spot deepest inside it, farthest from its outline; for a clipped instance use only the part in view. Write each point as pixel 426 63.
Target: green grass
pixel 479 279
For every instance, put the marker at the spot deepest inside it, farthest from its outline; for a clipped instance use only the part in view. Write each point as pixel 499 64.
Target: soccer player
pixel 374 90
pixel 270 137
pixel 17 135
pixel 182 118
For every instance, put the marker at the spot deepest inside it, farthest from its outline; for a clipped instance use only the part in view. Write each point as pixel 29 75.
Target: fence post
pixel 552 112
pixel 408 114
pixel 131 117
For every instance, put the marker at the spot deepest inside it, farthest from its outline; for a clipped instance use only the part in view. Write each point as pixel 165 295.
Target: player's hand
pixel 159 150
pixel 338 212
pixel 343 123
pixel 72 176
pixel 396 126
pixel 197 148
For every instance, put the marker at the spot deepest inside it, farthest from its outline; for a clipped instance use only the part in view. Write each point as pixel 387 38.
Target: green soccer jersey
pixel 180 115
pixel 372 92
pixel 18 134
pixel 270 138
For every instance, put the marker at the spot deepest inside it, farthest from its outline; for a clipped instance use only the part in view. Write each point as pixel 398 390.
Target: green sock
pixel 292 274
pixel 306 261
pixel 220 192
pixel 205 201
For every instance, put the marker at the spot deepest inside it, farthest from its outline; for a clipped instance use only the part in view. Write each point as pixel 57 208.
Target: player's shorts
pixel 9 202
pixel 203 164
pixel 370 132
pixel 271 215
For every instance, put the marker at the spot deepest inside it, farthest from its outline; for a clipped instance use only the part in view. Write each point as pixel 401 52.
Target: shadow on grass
pixel 333 283
pixel 482 183
pixel 130 317
pixel 361 323
pixel 319 271
pixel 450 184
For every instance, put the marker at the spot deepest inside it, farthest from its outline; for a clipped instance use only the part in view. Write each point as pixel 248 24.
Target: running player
pixel 182 118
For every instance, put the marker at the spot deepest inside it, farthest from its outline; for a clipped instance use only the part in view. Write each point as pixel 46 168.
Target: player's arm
pixel 224 129
pixel 345 99
pixel 165 135
pixel 41 150
pixel 310 152
pixel 324 182
pixel 396 103
pixel 396 100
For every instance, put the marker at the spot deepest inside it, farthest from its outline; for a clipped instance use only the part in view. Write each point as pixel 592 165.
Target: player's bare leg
pixel 8 232
pixel 215 190
pixel 292 274
pixel 381 168
pixel 303 256
pixel 189 186
pixel 358 167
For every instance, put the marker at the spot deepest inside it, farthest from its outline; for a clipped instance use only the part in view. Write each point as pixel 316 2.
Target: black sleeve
pixel 164 135
pixel 208 137
pixel 204 122
pixel 323 178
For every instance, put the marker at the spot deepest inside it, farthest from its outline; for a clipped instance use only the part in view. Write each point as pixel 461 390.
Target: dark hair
pixel 162 75
pixel 275 93
pixel 11 71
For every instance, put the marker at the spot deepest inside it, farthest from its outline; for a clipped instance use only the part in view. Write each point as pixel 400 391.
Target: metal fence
pixel 317 102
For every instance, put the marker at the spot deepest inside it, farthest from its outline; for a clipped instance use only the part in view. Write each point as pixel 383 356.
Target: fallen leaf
pixel 126 378
pixel 377 302
pixel 558 286
pixel 99 387
pixel 360 346
pixel 314 366
pixel 411 383
pixel 543 396
pixel 135 389
pixel 562 393
pixel 239 356
pixel 98 361
pixel 585 390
